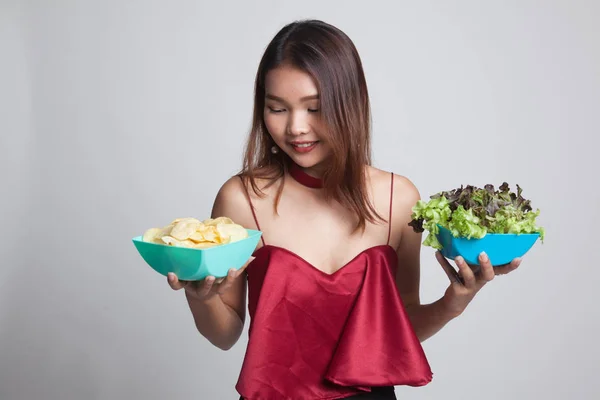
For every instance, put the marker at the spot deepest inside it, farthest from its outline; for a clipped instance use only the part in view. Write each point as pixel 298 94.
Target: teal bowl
pixel 501 248
pixel 196 264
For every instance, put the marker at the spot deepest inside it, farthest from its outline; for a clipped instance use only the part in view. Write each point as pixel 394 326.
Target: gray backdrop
pixel 116 116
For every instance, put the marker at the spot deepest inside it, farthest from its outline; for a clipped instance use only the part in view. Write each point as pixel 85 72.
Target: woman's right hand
pixel 207 289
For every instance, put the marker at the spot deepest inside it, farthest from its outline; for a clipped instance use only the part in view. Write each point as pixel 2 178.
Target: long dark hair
pixel 329 56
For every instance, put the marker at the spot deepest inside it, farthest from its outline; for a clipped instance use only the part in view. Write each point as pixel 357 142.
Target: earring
pixel 274 150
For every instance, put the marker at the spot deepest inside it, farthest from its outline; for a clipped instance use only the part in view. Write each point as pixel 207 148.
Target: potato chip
pixel 191 232
pixel 166 231
pixel 211 234
pixel 177 243
pixel 152 235
pixel 176 220
pixel 233 232
pixel 217 221
pixel 185 228
pixel 197 237
pixel 206 234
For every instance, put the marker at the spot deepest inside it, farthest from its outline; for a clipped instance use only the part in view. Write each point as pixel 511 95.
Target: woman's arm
pixel 427 319
pixel 220 318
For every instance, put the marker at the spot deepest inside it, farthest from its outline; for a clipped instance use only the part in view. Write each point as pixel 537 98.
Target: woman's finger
pixel 465 271
pixel 476 268
pixel 207 285
pixel 450 271
pixel 174 282
pixel 487 271
pixel 231 275
pixel 241 270
pixel 505 269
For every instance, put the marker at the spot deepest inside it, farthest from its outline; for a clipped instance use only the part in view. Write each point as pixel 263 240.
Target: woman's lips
pixel 304 147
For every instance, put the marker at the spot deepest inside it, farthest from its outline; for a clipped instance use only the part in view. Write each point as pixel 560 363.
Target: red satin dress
pixel 315 335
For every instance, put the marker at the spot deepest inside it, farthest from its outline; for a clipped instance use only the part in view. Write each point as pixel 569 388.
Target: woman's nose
pixel 298 124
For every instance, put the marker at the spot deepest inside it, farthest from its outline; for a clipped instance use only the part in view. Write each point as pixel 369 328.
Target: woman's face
pixel 293 118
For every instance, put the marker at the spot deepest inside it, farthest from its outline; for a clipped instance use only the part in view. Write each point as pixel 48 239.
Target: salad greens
pixel 472 212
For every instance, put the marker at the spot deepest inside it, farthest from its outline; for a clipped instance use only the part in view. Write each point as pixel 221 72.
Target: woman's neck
pixel 307 177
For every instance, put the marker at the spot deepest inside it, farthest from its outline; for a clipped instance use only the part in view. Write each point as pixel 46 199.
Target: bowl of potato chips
pixel 193 249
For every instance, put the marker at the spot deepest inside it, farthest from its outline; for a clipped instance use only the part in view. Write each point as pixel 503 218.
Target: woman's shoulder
pixel 239 186
pixel 404 191
pixel 403 197
pixel 237 194
pixel 232 201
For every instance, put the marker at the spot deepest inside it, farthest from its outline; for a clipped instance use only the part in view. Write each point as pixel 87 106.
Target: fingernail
pixel 210 279
pixel 458 259
pixel 483 257
pixel 170 276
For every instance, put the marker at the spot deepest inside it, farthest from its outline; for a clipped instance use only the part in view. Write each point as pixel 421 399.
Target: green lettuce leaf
pixel 466 224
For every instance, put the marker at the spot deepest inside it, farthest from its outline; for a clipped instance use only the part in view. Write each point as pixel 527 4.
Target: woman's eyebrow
pixel 305 98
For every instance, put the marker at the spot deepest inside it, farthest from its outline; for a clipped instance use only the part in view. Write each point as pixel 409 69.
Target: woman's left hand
pixel 469 279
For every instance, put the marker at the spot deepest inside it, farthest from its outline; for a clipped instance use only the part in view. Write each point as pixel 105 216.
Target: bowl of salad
pixel 469 220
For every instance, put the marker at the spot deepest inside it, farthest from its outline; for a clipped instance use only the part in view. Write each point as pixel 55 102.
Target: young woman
pixel 333 287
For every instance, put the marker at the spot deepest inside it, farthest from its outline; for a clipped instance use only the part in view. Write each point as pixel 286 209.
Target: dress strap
pixel 262 238
pixel 391 203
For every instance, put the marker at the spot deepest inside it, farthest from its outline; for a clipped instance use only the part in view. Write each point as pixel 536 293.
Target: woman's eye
pixel 276 110
pixel 313 110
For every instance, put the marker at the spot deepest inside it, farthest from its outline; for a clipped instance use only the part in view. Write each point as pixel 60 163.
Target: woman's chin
pixel 313 159
pixel 306 162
